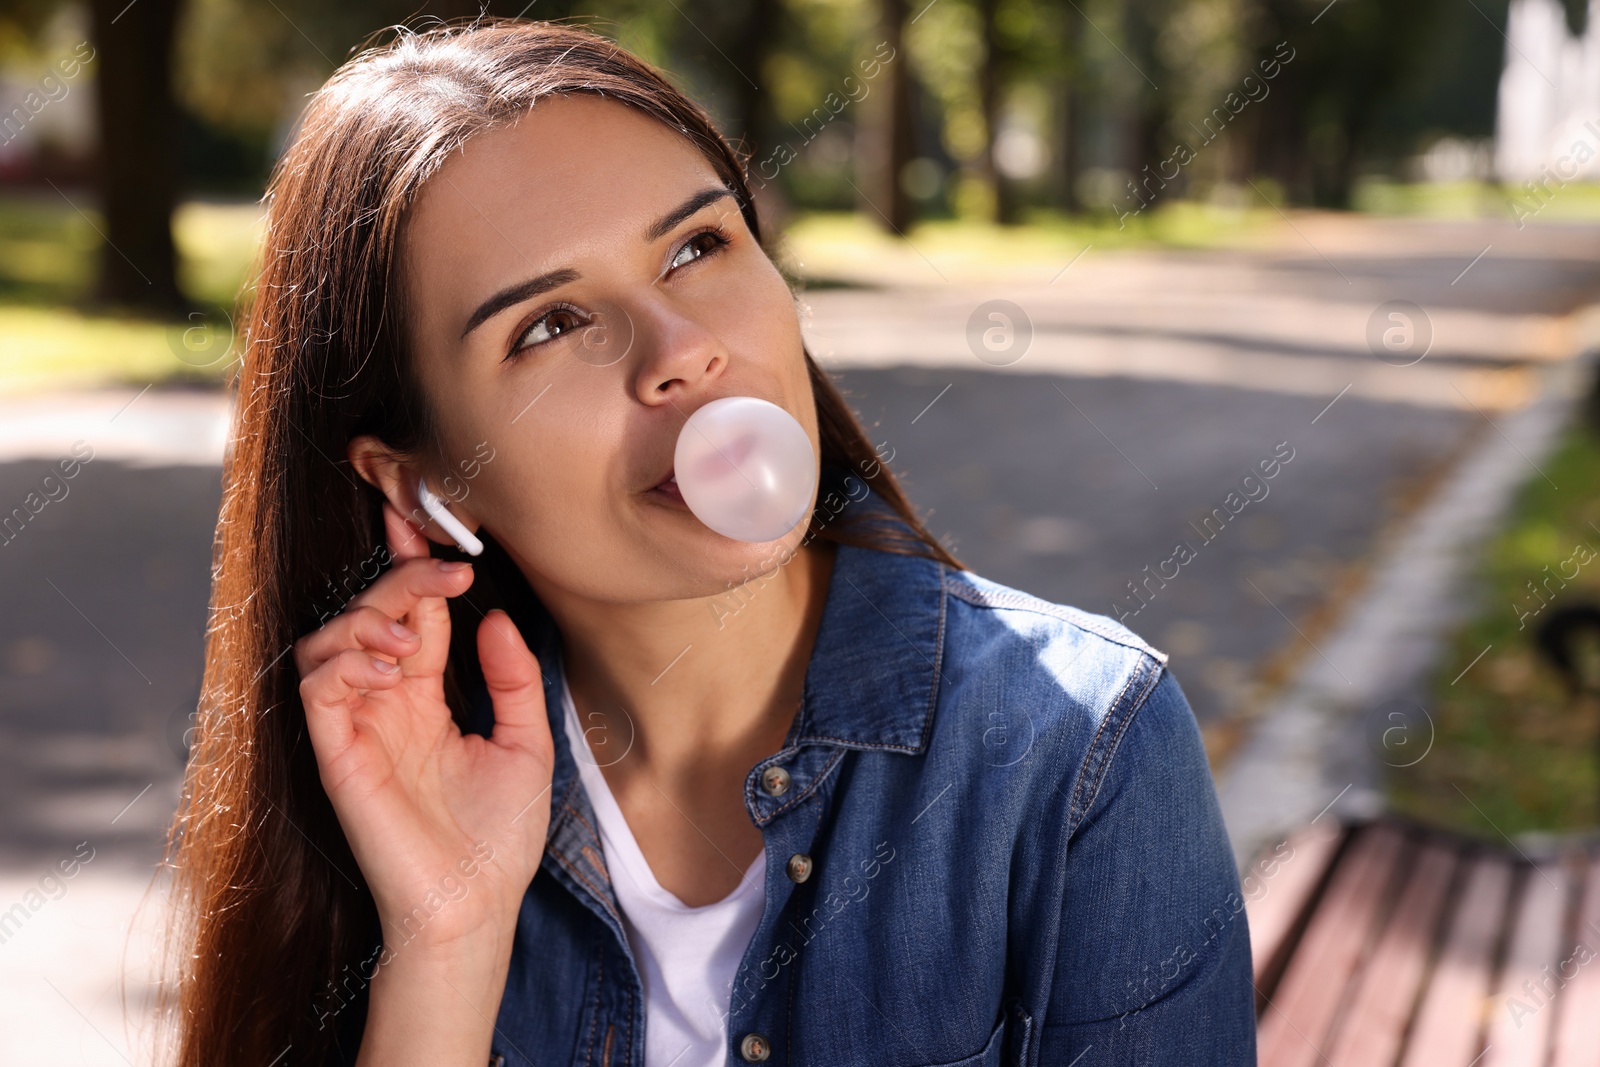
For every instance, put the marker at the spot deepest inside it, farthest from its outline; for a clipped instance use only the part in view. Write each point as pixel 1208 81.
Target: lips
pixel 668 492
pixel 721 462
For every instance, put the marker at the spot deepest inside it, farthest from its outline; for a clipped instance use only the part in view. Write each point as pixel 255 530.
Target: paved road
pixel 1153 383
pixel 1074 488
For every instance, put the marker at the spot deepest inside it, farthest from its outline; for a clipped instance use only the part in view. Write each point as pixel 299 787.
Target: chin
pixel 724 559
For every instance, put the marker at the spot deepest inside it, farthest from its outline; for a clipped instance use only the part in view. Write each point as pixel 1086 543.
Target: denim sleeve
pixel 1153 960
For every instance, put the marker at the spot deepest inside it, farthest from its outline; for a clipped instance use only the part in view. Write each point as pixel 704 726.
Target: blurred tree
pixel 1150 116
pixel 824 67
pixel 1111 85
pixel 1024 82
pixel 891 131
pixel 1071 87
pixel 729 48
pixel 755 41
pixel 1454 90
pixel 137 158
pixel 1205 58
pixel 245 68
pixel 993 71
pixel 946 54
pixel 1347 59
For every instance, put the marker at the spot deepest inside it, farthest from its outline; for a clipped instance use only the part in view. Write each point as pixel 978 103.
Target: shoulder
pixel 1049 688
pixel 994 627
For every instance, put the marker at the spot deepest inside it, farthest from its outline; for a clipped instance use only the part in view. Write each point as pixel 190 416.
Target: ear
pixel 395 475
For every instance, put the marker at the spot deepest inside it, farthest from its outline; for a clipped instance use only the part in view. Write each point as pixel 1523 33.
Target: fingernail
pixel 449 566
pixel 401 632
pixel 384 666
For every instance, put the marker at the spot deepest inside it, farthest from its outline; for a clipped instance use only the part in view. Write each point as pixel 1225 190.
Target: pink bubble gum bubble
pixel 746 468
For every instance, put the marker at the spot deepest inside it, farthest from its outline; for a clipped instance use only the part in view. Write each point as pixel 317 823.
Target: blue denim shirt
pixel 1016 854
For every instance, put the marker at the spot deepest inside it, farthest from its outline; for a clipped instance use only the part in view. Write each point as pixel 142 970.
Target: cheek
pixel 762 324
pixel 753 310
pixel 558 468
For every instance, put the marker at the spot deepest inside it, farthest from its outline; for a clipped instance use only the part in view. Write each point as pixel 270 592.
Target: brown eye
pixel 697 247
pixel 548 327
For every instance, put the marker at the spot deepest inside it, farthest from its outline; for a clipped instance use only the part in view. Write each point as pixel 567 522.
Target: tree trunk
pixel 891 136
pixel 1070 113
pixel 754 123
pixel 991 86
pixel 1150 113
pixel 753 115
pixel 137 158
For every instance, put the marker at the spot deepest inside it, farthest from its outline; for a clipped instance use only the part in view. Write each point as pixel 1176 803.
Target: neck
pixel 718 678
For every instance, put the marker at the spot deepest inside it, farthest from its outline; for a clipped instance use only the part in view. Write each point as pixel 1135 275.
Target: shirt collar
pixel 875 666
pixel 872 680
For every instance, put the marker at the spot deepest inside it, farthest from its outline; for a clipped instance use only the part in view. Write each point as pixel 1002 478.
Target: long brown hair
pixel 269 908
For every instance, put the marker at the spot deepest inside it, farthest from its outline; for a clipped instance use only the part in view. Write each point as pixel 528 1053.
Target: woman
pixel 622 790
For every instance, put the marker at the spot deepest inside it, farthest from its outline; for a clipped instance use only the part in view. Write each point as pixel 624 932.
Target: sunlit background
pixel 1088 271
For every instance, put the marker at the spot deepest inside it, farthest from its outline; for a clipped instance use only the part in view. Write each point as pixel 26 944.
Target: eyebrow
pixel 527 290
pixel 516 294
pixel 699 200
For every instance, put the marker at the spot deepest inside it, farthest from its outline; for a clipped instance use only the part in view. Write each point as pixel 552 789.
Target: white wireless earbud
pixel 452 525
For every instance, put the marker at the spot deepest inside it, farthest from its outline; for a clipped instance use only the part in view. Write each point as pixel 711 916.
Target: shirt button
pixel 755 1048
pixel 799 867
pixel 775 780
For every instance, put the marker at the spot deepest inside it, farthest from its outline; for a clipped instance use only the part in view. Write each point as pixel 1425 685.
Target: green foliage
pixel 1512 750
pixel 1576 201
pixel 1373 83
pixel 830 250
pixel 947 46
pixel 47 256
pixel 47 250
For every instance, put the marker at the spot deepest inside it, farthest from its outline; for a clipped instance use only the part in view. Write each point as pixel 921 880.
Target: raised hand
pixel 426 808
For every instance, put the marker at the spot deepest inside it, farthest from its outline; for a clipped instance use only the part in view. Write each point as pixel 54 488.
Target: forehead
pixel 577 176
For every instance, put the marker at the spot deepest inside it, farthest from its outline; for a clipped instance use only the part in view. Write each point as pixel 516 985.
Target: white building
pixel 1547 122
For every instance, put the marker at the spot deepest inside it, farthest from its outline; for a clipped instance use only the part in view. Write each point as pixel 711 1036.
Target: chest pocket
pixel 991 1055
pixel 1008 1044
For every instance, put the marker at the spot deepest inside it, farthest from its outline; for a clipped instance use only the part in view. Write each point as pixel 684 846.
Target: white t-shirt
pixel 688 956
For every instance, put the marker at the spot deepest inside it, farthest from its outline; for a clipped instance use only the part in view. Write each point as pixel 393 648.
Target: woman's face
pixel 576 286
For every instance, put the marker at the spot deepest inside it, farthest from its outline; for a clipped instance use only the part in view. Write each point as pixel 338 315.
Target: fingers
pixel 418 599
pixel 368 622
pixel 515 684
pixel 411 593
pixel 411 581
pixel 357 627
pixel 326 694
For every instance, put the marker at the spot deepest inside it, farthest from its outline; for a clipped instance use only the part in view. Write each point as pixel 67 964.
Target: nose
pixel 682 358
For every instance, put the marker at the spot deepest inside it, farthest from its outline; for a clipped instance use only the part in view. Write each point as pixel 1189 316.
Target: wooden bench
pixel 1385 944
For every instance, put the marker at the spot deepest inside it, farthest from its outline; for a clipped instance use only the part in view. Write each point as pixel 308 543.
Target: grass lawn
pixel 58 348
pixel 47 260
pixel 821 250
pixel 1573 202
pixel 1511 750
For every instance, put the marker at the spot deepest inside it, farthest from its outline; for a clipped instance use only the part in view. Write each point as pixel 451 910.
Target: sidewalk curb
pixel 1309 754
pixel 149 427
